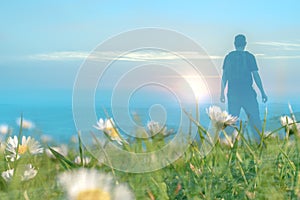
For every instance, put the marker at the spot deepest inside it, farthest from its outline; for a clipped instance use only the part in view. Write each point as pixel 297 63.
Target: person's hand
pixel 222 98
pixel 264 98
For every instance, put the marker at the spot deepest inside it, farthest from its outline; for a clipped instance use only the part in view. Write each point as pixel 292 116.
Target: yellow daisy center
pixel 93 194
pixel 112 132
pixel 22 149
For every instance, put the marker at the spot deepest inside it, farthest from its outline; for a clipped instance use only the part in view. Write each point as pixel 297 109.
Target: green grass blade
pixel 66 163
pixel 80 149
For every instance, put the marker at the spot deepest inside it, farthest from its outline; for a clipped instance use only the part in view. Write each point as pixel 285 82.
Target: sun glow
pixel 198 86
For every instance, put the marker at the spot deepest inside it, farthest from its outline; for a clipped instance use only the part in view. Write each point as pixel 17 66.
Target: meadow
pixel 233 167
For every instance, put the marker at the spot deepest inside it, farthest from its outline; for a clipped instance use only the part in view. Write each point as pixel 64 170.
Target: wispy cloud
pixel 58 56
pixel 115 55
pixel 140 56
pixel 279 50
pixel 282 57
pixel 277 57
pixel 278 44
pixel 288 46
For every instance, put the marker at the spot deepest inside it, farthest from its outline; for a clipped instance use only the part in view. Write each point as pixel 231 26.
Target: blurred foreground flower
pixel 220 119
pixel 86 160
pixel 63 150
pixel 108 127
pixel 46 138
pixel 291 127
pixel 286 120
pixel 28 145
pixel 26 124
pixel 29 173
pixel 4 129
pixel 89 184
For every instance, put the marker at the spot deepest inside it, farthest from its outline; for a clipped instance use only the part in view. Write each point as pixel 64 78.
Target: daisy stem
pixel 227 138
pixel 19 141
pixel 105 154
pixel 199 127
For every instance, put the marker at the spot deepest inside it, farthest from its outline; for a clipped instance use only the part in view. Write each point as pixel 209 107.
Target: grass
pixel 243 170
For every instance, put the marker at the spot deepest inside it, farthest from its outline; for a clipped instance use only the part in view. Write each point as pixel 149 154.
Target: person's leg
pixel 234 109
pixel 250 106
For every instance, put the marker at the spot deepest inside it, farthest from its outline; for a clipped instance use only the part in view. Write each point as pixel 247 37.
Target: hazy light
pixel 198 86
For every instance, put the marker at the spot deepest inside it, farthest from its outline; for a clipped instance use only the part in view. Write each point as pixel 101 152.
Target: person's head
pixel 240 42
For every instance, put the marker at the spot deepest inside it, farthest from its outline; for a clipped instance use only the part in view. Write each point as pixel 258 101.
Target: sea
pixel 54 119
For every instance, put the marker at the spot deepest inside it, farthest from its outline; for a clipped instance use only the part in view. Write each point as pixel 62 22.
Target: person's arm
pixel 260 86
pixel 223 86
pixel 224 79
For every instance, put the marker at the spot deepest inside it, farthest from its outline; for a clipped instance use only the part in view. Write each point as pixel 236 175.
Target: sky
pixel 44 43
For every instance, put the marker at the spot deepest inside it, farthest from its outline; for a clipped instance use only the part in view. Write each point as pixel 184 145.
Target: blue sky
pixel 43 43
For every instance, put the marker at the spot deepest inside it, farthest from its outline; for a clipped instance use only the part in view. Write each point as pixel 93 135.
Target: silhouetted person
pixel 239 70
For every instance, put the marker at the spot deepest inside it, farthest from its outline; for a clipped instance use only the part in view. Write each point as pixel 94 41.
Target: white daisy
pixel 4 129
pixel 290 124
pixel 220 119
pixel 101 124
pixel 63 150
pixel 7 175
pixel 28 173
pixel 26 124
pixel 28 145
pixel 108 127
pixel 286 120
pixel 86 160
pixel 155 128
pixel 89 184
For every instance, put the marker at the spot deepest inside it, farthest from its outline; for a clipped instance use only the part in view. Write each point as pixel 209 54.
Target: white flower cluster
pixel 15 150
pixel 109 128
pixel 290 124
pixel 220 119
pixel 155 128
